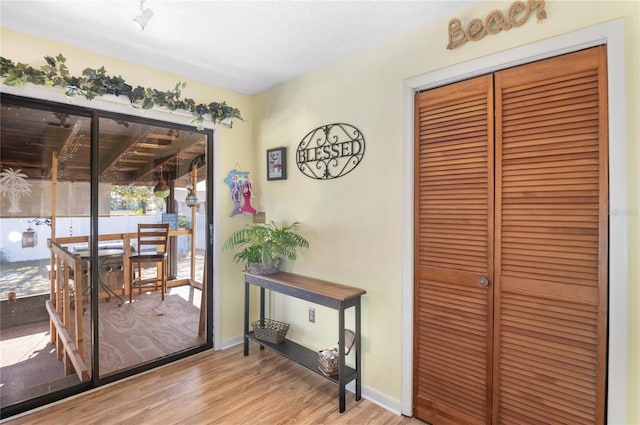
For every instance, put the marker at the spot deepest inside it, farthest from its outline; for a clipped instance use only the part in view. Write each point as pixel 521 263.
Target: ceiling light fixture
pixel 191 199
pixel 143 19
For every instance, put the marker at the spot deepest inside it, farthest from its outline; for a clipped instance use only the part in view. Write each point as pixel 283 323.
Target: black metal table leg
pixel 262 296
pixel 341 363
pixel 104 286
pixel 358 357
pixel 246 318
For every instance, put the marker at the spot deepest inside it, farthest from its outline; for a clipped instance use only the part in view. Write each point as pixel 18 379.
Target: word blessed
pixel 330 151
pixel 322 153
pixel 495 22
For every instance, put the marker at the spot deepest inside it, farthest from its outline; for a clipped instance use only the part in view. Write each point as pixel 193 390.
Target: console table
pixel 328 294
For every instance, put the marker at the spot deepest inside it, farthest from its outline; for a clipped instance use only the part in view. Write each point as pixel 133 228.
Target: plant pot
pixel 271 268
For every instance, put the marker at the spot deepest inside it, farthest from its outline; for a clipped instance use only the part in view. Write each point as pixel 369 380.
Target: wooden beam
pixel 69 147
pixel 123 149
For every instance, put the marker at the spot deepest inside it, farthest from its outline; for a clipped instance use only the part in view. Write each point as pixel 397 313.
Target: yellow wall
pixel 354 222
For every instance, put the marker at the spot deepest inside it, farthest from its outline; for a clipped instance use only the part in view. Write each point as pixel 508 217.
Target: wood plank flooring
pixel 221 387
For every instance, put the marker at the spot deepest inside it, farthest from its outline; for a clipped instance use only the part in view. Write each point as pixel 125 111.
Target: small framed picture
pixel 277 164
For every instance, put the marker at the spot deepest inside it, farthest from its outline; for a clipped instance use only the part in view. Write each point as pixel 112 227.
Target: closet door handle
pixel 483 281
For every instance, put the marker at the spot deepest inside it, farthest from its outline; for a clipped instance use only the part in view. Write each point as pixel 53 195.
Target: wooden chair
pixel 157 236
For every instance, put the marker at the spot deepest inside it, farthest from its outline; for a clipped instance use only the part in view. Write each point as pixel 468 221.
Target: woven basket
pixel 329 362
pixel 270 330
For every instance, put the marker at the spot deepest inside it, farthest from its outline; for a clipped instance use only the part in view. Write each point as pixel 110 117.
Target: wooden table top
pixel 312 285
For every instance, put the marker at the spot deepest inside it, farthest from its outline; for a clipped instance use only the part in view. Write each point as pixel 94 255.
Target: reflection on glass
pixel 44 183
pixel 145 170
pixel 46 266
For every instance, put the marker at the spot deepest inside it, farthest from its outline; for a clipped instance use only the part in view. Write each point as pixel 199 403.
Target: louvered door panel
pixel 551 241
pixel 454 198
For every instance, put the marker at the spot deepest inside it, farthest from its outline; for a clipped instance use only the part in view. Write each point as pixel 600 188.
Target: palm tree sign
pixel 14 185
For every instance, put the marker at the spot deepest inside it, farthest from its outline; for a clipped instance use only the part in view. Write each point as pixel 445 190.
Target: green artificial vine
pixel 96 82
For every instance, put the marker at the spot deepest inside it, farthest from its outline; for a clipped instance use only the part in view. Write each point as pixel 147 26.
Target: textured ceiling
pixel 246 46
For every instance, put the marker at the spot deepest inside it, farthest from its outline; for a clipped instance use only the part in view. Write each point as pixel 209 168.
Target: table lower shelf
pixel 304 357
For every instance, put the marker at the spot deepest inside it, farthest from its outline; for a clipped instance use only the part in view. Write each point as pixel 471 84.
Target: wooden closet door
pixel 551 241
pixel 453 253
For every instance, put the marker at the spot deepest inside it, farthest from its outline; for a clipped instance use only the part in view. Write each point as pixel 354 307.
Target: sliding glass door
pixel 147 172
pixel 76 186
pixel 44 208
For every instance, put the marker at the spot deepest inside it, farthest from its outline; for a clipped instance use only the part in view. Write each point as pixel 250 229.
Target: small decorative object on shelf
pixel 329 358
pixel 270 330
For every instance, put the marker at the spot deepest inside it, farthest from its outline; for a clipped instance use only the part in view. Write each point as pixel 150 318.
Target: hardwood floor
pixel 222 387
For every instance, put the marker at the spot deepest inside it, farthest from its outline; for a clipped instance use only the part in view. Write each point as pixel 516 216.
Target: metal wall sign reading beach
pixel 330 151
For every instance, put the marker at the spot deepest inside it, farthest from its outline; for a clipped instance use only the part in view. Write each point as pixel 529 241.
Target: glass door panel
pixel 44 225
pixel 145 173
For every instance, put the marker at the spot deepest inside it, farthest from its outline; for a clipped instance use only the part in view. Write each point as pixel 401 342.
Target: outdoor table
pixel 104 254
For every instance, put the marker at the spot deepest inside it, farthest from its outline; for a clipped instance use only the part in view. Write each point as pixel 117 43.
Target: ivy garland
pixel 96 82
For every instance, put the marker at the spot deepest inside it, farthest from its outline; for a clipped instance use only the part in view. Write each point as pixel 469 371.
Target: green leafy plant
pixel 97 82
pixel 264 243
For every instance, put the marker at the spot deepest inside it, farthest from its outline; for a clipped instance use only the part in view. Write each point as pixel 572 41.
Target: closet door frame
pixel 611 34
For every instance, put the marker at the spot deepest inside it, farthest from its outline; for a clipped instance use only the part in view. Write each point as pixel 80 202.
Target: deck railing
pixel 66 288
pixel 69 288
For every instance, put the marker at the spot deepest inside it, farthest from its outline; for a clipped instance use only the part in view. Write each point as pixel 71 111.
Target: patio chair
pixel 156 236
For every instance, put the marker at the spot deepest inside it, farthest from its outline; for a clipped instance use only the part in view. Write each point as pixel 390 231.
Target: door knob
pixel 483 281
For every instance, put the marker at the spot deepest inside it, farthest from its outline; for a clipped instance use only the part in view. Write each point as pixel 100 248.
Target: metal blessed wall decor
pixel 330 151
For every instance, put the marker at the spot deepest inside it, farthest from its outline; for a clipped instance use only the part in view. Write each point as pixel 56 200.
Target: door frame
pixel 611 34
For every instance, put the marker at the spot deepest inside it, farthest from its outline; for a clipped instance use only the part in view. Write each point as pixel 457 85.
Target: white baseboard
pixel 391 404
pixel 232 342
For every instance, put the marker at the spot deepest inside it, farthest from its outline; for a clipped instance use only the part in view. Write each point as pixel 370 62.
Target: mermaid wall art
pixel 241 192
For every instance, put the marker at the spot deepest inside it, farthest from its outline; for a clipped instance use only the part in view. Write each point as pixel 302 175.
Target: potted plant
pixel 265 245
